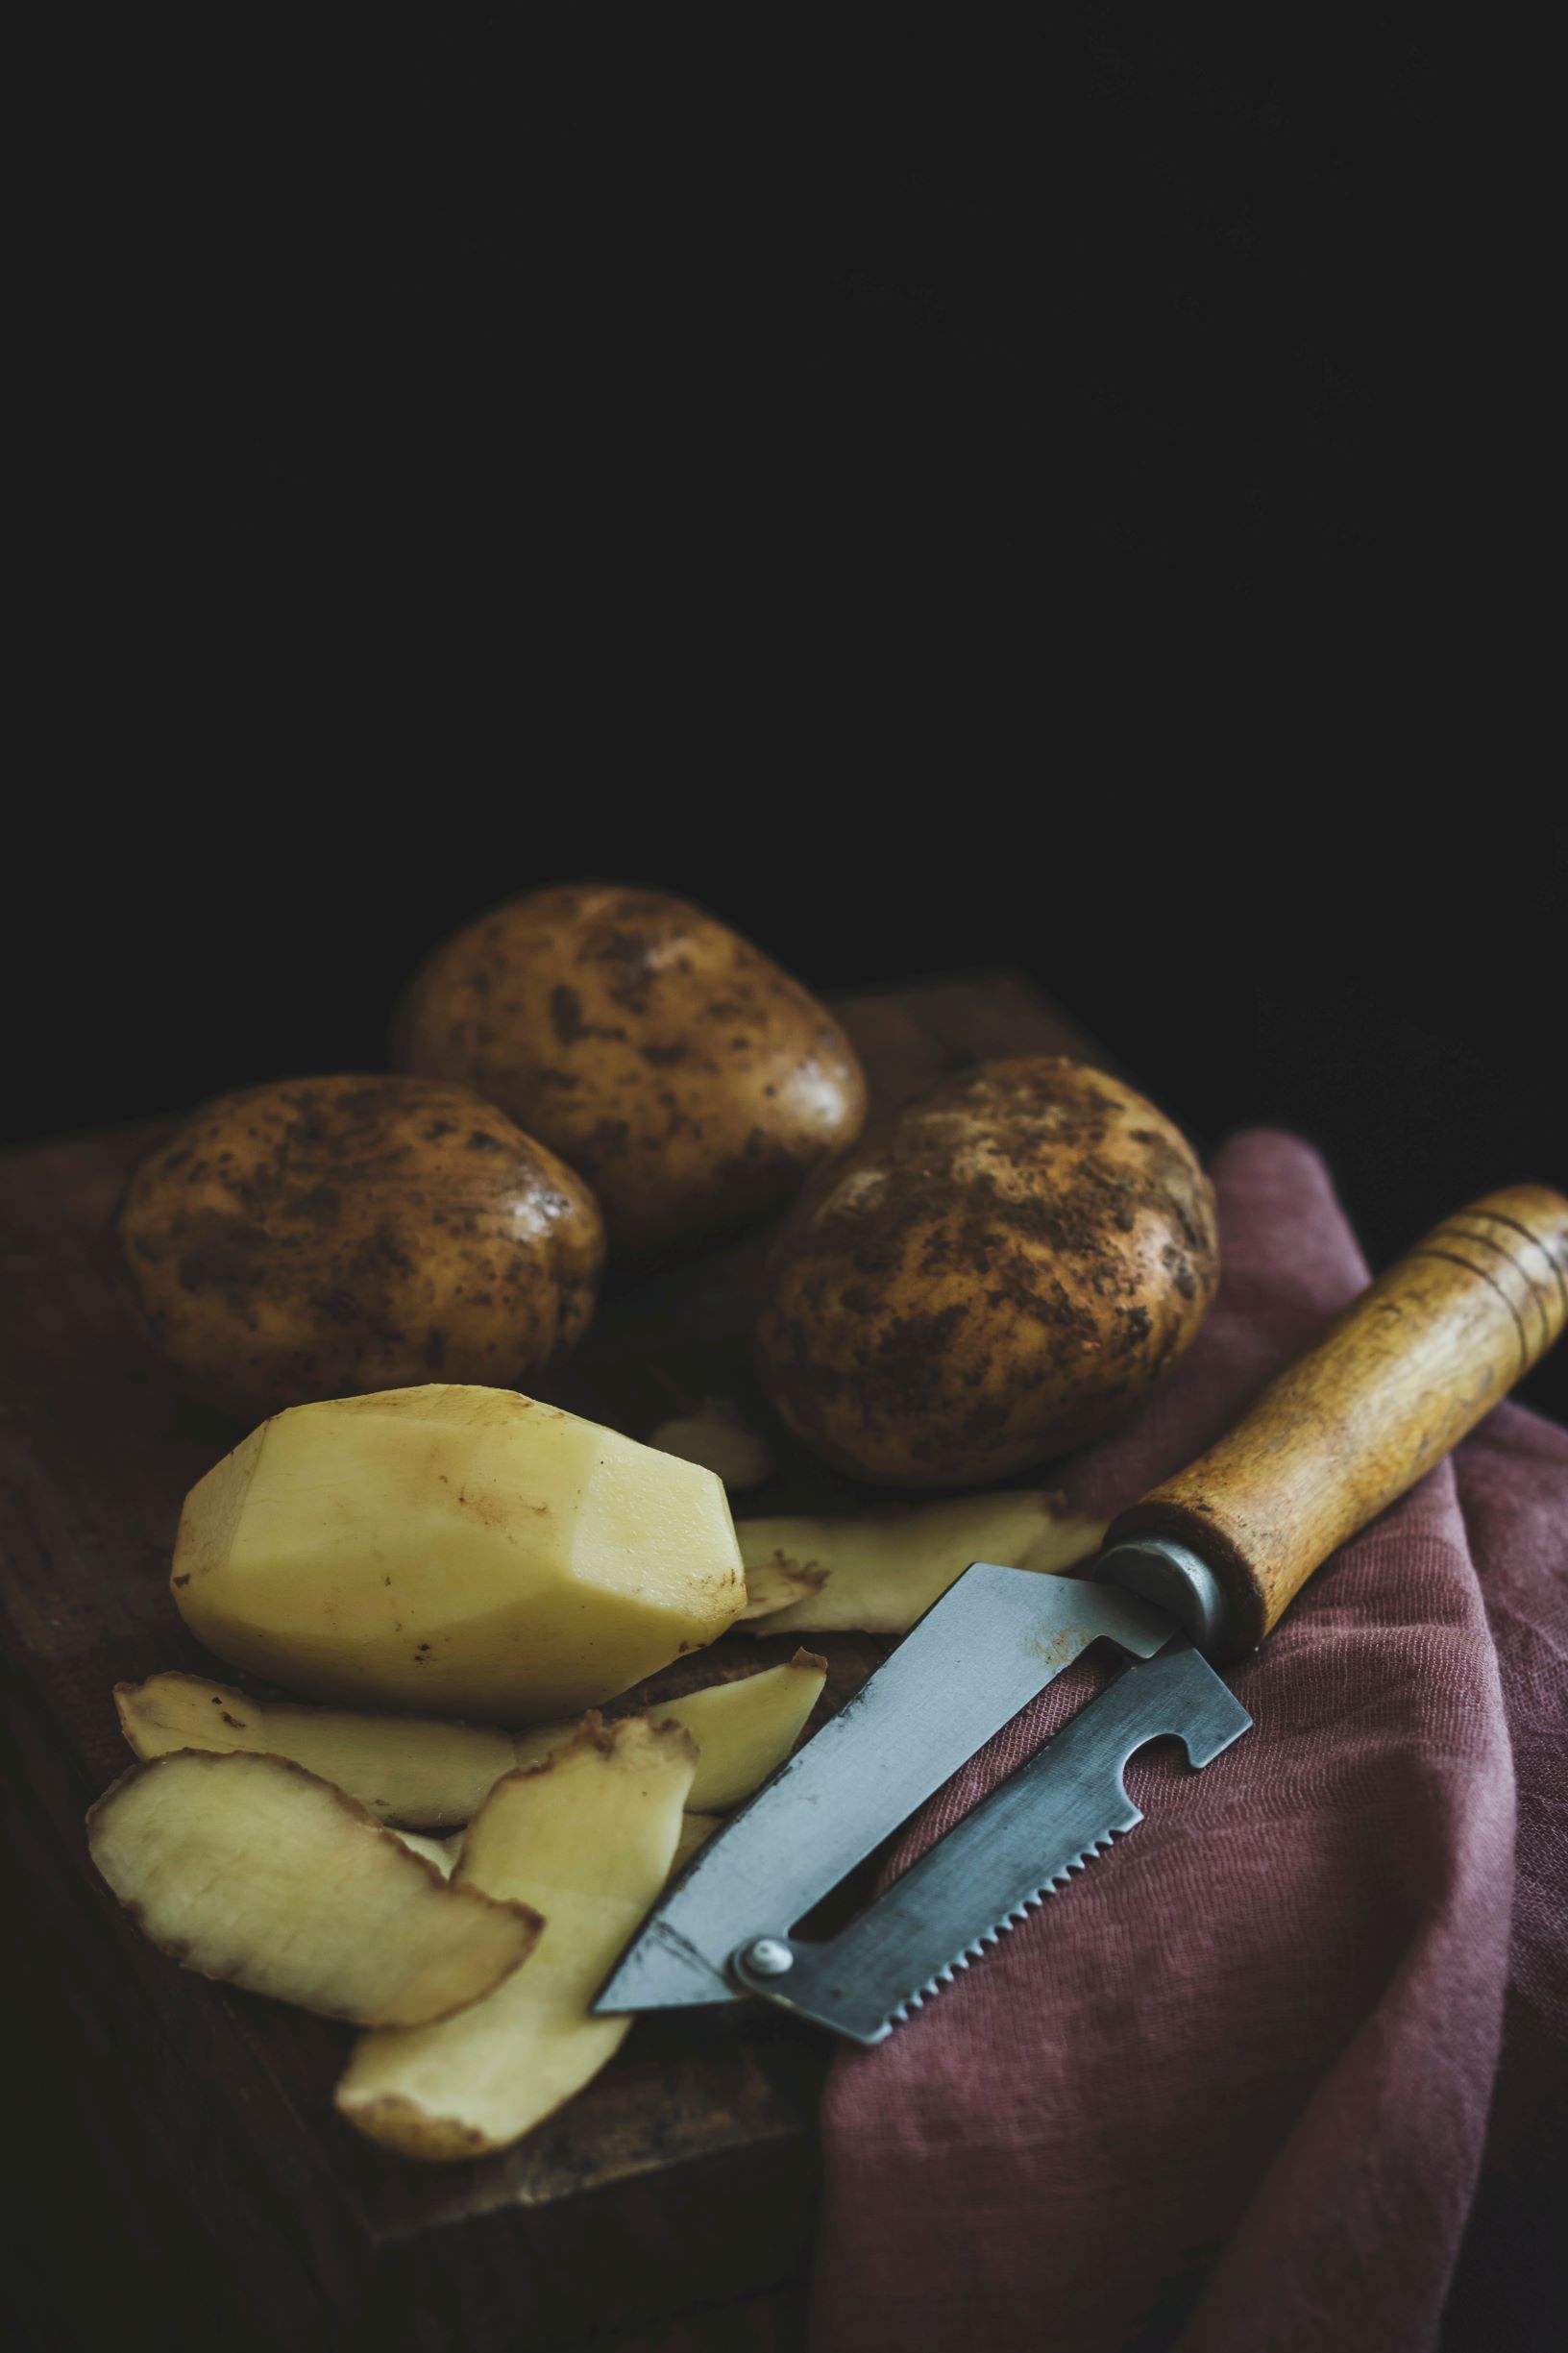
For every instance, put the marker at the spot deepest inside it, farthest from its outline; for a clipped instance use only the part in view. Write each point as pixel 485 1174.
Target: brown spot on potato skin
pixel 330 1236
pixel 613 1031
pixel 566 1013
pixel 609 1140
pixel 994 1278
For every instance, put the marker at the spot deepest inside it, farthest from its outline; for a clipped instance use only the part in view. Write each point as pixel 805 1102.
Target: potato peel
pixel 588 1836
pixel 778 1583
pixel 254 1871
pixel 443 1852
pixel 417 1772
pixel 744 1729
pixel 420 1773
pixel 878 1572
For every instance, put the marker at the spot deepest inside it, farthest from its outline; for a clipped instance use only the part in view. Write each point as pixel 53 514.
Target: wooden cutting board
pixel 188 2176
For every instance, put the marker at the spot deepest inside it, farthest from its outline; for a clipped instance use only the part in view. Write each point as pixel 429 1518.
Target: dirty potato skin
pixel 681 1073
pixel 995 1279
pixel 330 1235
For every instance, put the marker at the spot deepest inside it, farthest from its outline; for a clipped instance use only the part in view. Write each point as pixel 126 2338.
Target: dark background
pixel 1027 497
pixel 1064 493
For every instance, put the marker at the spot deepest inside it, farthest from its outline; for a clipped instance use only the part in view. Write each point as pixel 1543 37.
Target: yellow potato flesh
pixel 443 1852
pixel 407 1770
pixel 587 1839
pixel 695 1830
pixel 744 1729
pixel 411 1771
pixel 882 1571
pixel 454 1551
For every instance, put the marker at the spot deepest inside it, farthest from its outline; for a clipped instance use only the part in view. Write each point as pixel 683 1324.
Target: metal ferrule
pixel 1175 1579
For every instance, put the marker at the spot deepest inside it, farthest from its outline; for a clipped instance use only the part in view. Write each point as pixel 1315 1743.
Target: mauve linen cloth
pixel 1286 2068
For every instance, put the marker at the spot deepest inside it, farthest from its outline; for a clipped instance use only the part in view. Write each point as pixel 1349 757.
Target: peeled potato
pixel 878 1572
pixel 251 1870
pixel 589 1838
pixel 416 1771
pixel 454 1551
pixel 744 1729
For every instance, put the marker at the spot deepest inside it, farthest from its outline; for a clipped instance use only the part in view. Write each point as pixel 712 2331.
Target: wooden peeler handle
pixel 1398 1380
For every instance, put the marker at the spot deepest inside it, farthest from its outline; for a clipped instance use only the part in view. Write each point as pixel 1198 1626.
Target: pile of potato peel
pixel 458 1891
pixel 246 1865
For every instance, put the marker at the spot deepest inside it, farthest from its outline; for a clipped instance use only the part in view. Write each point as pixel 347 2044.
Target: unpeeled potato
pixel 689 1080
pixel 334 1235
pixel 993 1279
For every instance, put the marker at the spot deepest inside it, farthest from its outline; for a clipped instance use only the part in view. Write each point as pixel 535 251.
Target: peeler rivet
pixel 767 1957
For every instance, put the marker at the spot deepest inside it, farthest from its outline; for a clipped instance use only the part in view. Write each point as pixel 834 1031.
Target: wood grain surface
pixel 184 2161
pixel 1394 1383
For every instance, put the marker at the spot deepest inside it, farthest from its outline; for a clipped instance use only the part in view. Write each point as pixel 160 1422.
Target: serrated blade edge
pixel 992 1642
pixel 1046 1822
pixel 979 1945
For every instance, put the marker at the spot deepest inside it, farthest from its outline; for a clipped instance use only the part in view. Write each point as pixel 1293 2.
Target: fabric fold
pixel 1230 2090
